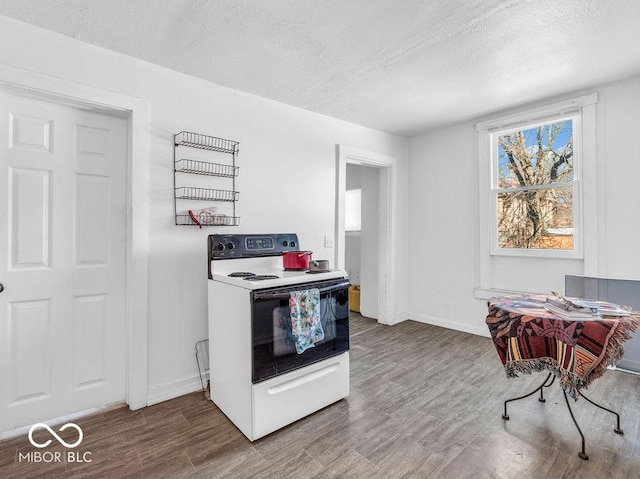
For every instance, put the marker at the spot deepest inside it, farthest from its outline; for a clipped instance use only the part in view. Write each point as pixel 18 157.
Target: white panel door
pixel 62 260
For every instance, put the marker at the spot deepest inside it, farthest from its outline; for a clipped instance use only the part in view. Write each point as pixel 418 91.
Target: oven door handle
pixel 286 295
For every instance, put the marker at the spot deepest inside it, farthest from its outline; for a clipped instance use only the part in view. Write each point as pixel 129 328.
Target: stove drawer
pixel 284 399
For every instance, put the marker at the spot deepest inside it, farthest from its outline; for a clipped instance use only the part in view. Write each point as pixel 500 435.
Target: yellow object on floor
pixel 354 298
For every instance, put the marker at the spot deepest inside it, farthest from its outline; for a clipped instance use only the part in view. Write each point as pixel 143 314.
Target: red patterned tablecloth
pixel 529 338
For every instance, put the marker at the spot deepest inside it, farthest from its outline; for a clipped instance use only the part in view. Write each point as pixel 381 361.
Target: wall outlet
pixel 328 241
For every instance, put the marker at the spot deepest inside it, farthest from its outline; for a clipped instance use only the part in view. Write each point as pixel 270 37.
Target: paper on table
pixel 576 307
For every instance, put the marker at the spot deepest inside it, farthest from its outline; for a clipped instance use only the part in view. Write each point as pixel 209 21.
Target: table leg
pixel 505 416
pixel 617 429
pixel 546 383
pixel 582 454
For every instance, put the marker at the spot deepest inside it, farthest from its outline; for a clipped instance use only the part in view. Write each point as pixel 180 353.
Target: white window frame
pixel 576 251
pixel 582 111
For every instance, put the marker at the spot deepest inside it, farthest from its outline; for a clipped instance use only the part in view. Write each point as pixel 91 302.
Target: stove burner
pixel 240 274
pixel 261 277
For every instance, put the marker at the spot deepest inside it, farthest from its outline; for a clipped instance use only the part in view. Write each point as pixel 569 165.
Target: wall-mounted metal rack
pixel 195 167
pixel 212 220
pixel 205 194
pixel 221 169
pixel 205 142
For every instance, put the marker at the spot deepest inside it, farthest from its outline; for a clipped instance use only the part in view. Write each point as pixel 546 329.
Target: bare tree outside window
pixel 535 192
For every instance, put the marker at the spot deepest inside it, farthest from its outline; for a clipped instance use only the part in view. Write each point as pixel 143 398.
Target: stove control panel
pixel 259 243
pixel 228 246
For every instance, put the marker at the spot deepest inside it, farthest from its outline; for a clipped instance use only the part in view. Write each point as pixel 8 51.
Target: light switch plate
pixel 328 241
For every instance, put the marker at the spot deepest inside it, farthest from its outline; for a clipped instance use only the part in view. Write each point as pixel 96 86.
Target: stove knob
pixel 230 245
pixel 220 246
pixel 285 243
pixel 292 244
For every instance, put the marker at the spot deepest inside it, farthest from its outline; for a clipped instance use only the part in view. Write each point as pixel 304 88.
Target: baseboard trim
pixel 10 434
pixel 465 328
pixel 164 392
pixel 399 317
pixel 634 368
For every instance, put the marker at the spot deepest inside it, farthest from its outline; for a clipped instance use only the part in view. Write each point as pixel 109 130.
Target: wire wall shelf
pixel 205 194
pixel 211 220
pixel 205 142
pixel 223 168
pixel 196 167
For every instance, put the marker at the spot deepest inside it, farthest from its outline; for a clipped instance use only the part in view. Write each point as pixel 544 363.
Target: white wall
pixel 287 178
pixel 369 241
pixel 353 179
pixel 443 194
pixel 352 252
pixel 442 239
pixel 617 146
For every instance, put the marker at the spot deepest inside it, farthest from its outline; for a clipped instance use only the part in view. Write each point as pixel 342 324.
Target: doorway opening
pixel 367 250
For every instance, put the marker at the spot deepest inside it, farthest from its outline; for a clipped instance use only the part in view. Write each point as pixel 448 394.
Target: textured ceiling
pixel 397 66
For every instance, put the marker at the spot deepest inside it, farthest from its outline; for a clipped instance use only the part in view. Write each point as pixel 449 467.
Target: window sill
pixel 537 253
pixel 488 293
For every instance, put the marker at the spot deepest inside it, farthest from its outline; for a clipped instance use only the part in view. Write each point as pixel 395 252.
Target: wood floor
pixel 425 402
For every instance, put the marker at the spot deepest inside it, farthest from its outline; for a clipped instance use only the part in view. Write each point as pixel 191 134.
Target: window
pixel 535 185
pixel 538 203
pixel 352 215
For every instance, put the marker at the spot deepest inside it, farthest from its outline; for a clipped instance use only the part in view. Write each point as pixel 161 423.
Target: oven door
pixel 274 350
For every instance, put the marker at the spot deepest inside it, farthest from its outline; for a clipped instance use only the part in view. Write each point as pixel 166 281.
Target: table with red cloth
pixel 530 338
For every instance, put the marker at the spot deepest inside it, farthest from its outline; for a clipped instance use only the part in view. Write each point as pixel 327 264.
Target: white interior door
pixel 62 260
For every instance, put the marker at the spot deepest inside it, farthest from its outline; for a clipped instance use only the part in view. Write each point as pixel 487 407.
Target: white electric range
pixel 258 378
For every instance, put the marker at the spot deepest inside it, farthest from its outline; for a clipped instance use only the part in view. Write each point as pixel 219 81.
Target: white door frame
pixel 387 241
pixel 136 110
